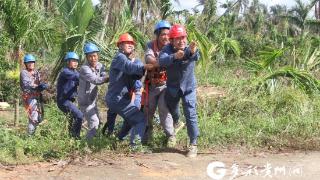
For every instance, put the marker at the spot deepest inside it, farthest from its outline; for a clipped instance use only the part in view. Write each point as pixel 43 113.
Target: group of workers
pixel 166 77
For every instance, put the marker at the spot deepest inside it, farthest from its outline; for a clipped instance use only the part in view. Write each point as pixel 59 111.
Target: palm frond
pixel 302 79
pixel 166 9
pixel 27 25
pixel 253 66
pixel 77 16
pixel 232 45
pixel 206 47
pixel 265 60
pixel 269 56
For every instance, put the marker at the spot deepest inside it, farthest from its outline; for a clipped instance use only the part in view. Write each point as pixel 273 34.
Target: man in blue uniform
pixel 108 128
pixel 121 82
pixel 67 85
pixel 179 59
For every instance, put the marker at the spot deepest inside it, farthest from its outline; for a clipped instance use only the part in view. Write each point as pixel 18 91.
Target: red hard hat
pixel 177 30
pixel 126 37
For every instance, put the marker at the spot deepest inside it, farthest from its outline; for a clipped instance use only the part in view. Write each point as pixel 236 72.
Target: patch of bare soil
pixel 208 91
pixel 166 165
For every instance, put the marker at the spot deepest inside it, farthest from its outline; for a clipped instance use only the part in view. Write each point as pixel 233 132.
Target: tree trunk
pixel 319 9
pixel 19 59
pixel 46 5
pixel 105 21
pixel 18 55
pixel 316 11
pixel 139 11
pixel 16 112
pixel 131 6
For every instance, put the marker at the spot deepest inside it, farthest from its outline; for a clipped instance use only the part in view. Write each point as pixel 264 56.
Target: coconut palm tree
pixel 210 7
pixel 209 12
pixel 299 15
pixel 317 10
pixel 254 19
pixel 165 8
pixel 76 17
pixel 278 25
pixel 27 26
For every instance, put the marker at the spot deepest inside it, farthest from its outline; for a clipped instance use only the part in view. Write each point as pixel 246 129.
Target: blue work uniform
pixel 68 82
pixel 121 80
pixel 181 83
pixel 111 116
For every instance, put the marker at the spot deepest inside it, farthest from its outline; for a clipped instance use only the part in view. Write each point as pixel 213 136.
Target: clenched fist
pixel 193 47
pixel 106 79
pixel 151 67
pixel 132 56
pixel 179 54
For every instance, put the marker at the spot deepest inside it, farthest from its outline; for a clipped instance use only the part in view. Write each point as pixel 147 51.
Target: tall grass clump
pixel 286 119
pixel 51 140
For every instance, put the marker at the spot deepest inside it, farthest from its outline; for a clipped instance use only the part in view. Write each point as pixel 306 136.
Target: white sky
pixel 189 4
pixel 95 2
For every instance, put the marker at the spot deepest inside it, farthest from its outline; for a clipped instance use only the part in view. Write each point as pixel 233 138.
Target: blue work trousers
pixel 189 101
pixel 132 116
pixel 75 122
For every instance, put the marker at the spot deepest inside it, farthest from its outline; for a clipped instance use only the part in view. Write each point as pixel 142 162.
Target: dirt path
pixel 294 165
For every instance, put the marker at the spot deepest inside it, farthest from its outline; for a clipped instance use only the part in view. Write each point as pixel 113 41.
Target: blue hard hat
pixel 71 55
pixel 29 58
pixel 162 25
pixel 90 48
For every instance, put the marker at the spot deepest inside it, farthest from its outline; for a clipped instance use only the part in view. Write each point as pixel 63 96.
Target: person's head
pixel 126 43
pixel 91 51
pixel 29 61
pixel 178 36
pixel 72 60
pixel 161 30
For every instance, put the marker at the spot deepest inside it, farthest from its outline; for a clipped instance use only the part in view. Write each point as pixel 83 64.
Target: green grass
pixel 247 117
pixel 51 140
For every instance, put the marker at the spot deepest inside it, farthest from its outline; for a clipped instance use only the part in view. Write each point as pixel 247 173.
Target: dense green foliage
pixel 265 60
